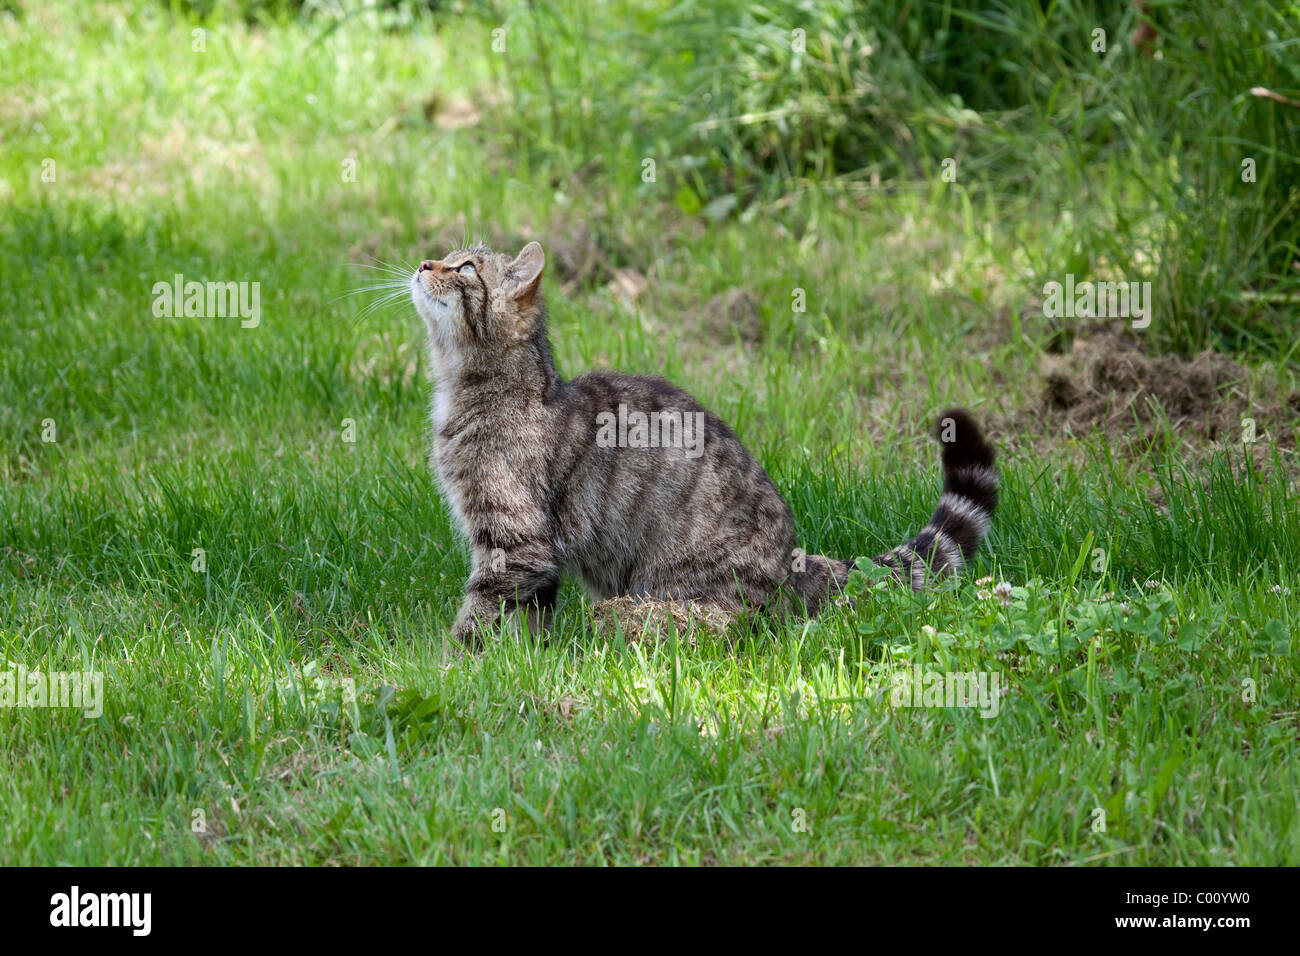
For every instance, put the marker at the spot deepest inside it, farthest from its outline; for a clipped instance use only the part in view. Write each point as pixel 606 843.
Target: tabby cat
pixel 625 481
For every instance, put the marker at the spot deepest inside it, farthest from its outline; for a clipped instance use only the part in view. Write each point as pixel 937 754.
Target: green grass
pixel 326 562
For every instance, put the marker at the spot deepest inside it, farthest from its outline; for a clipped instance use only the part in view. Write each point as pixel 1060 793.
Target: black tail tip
pixel 962 441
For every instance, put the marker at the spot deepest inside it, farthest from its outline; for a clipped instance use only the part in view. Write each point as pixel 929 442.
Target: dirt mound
pixel 655 620
pixel 1106 381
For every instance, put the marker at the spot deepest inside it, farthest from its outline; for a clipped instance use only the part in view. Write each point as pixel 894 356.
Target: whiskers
pixel 391 286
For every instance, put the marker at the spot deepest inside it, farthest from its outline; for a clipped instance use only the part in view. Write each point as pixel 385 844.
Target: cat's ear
pixel 526 271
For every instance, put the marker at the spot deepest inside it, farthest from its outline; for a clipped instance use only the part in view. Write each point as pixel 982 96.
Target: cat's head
pixel 473 299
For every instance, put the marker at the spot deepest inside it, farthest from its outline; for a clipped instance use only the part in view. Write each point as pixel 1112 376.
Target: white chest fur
pixel 440 412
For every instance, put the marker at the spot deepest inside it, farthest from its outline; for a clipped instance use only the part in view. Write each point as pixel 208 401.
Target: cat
pixel 545 476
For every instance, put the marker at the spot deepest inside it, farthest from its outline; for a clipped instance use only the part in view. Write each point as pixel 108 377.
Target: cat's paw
pixel 470 632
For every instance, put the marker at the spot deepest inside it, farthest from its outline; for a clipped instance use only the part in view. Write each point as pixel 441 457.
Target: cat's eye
pixel 467 269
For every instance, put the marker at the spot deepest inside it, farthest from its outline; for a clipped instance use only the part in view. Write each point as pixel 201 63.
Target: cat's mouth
pixel 425 295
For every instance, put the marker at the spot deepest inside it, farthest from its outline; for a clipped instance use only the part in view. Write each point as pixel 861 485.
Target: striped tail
pixel 959 523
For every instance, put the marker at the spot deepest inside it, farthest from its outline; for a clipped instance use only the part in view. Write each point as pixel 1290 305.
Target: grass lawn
pixel 238 529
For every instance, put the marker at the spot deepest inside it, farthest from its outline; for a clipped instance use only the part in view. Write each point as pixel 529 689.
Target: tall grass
pixel 1131 159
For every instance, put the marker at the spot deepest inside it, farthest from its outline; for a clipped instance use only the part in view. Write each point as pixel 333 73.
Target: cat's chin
pixel 432 309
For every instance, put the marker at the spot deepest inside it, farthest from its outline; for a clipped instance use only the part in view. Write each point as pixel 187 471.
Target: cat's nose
pixel 427 264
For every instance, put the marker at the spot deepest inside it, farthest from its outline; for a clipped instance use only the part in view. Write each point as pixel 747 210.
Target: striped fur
pixel 520 459
pixel 954 532
pixel 965 510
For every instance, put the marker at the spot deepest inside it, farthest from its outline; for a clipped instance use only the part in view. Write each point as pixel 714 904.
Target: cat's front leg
pixel 476 618
pixel 522 581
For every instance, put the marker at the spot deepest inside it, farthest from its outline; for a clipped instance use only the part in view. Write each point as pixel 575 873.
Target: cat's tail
pixel 942 548
pixel 960 522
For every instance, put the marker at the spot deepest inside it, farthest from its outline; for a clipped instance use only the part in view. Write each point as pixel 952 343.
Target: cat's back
pixel 642 468
pixel 593 393
pixel 604 388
